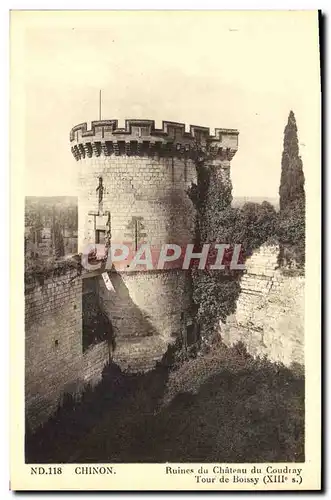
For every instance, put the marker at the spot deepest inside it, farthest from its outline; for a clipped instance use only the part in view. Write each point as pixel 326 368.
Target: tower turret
pixel 133 184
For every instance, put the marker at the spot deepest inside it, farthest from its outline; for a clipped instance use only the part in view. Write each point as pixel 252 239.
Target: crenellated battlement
pixel 141 138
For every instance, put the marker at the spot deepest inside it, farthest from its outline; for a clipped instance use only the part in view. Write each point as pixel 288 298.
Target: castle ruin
pixel 133 184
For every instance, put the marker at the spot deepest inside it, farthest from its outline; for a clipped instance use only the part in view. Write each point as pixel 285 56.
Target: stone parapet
pixel 141 138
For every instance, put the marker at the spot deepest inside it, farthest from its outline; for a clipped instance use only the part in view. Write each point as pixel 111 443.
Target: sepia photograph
pixel 167 177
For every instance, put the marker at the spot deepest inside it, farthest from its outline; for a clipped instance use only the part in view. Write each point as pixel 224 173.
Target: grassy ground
pixel 222 407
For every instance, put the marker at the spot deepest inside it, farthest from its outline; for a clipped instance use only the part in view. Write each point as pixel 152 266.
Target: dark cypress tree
pixel 291 224
pixel 292 179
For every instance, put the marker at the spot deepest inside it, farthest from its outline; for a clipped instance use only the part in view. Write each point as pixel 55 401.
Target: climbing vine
pixel 215 292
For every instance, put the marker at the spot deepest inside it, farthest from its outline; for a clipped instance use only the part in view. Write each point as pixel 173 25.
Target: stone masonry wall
pixel 55 363
pixel 153 189
pixel 133 181
pixel 148 311
pixel 269 318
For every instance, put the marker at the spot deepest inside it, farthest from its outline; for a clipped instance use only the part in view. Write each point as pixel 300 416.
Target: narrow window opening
pixel 100 237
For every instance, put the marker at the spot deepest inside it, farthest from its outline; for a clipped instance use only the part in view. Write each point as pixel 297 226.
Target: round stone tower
pixel 133 184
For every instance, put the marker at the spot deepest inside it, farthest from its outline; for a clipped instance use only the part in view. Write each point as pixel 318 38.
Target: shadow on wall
pixel 96 325
pixel 119 396
pixel 224 407
pixel 181 218
pixel 113 328
pixel 113 311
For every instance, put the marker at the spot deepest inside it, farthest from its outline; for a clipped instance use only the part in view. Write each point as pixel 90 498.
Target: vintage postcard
pixel 165 253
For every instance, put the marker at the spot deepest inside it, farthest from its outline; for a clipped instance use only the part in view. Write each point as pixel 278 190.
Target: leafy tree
pixel 215 292
pixel 291 224
pixel 256 224
pixel 291 234
pixel 292 178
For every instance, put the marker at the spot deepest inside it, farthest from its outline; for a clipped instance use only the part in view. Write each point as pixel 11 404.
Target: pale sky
pixel 242 70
